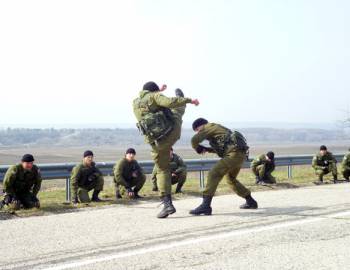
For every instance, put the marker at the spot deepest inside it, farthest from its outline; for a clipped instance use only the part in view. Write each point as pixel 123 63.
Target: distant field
pixel 10 155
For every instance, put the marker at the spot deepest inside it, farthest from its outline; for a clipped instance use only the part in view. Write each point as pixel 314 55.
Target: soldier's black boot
pixel 178 188
pixel 257 180
pixel 250 203
pixel 95 197
pixel 204 208
pixel 168 207
pixel 179 93
pixel 136 195
pixel 335 179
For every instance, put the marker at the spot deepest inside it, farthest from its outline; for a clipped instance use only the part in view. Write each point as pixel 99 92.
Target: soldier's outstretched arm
pixel 173 102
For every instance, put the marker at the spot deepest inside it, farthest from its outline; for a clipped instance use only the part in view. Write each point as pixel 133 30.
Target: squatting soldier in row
pixel 178 171
pixel 345 166
pixel 262 167
pixel 231 146
pixel 159 120
pixel 323 163
pixel 22 183
pixel 128 176
pixel 84 178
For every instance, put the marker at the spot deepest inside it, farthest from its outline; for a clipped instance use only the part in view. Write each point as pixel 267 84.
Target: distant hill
pixel 122 137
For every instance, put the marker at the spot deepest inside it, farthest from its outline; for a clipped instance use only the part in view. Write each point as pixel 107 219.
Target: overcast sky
pixel 83 62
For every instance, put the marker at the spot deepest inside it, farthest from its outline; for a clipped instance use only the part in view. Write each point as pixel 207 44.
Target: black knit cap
pixel 27 158
pixel 88 153
pixel 151 86
pixel 199 122
pixel 270 155
pixel 323 147
pixel 130 151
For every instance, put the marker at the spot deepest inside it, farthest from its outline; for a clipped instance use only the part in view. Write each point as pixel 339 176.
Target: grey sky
pixel 67 62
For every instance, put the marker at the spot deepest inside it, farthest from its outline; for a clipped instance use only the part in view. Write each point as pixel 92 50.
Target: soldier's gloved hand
pixel 7 199
pixel 134 174
pixel 200 149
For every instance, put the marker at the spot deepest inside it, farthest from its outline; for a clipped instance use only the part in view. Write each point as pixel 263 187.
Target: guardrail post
pixel 290 172
pixel 201 179
pixel 68 197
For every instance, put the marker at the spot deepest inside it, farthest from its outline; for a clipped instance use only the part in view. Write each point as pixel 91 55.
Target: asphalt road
pixel 306 228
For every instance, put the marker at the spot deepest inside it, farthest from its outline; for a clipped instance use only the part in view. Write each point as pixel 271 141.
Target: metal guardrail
pixel 63 170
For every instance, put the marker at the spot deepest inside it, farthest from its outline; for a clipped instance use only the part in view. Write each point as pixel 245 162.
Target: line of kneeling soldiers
pixel 22 182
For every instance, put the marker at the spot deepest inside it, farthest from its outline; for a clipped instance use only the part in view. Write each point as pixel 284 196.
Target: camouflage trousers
pixel 161 153
pixel 25 199
pixel 136 183
pixel 227 168
pixel 332 168
pixel 264 174
pixel 179 179
pixel 83 191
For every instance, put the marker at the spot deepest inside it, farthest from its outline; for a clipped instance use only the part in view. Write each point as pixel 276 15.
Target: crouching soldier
pixel 262 167
pixel 345 166
pixel 128 176
pixel 22 183
pixel 323 163
pixel 84 178
pixel 231 147
pixel 178 171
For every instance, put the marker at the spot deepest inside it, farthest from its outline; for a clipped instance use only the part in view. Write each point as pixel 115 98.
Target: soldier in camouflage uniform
pixel 128 175
pixel 345 166
pixel 323 163
pixel 262 167
pixel 22 183
pixel 160 120
pixel 232 148
pixel 84 178
pixel 178 171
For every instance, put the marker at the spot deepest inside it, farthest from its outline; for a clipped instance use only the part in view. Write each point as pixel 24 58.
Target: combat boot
pixel 204 208
pixel 250 203
pixel 178 188
pixel 179 93
pixel 335 179
pixel 168 207
pixel 136 195
pixel 257 180
pixel 95 197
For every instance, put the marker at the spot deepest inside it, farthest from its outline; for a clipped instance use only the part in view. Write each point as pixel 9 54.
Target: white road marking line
pixel 188 242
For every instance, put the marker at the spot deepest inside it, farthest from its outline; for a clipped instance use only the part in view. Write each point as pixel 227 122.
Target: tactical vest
pixel 89 176
pixel 324 161
pixel 232 139
pixel 155 125
pixel 25 180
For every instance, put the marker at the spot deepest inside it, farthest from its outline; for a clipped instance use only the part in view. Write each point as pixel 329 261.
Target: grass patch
pixel 52 195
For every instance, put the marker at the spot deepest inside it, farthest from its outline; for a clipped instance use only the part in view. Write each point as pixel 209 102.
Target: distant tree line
pixel 121 137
